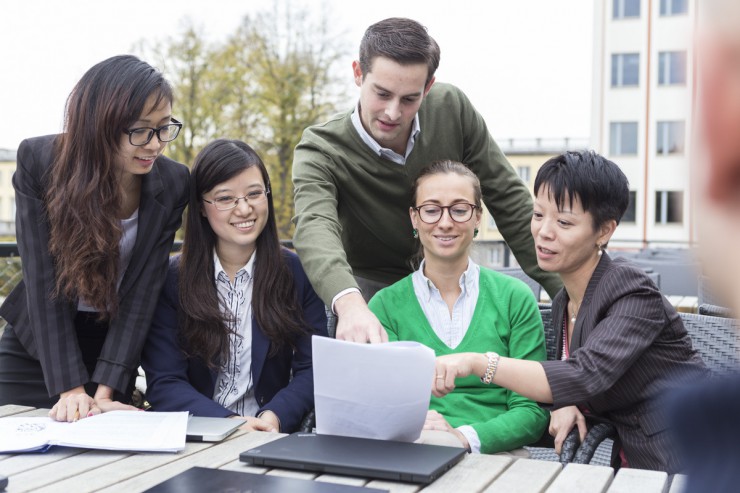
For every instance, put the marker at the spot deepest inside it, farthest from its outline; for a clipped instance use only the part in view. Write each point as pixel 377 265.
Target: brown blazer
pixel 629 347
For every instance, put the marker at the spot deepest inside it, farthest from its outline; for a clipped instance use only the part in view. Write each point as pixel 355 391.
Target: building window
pixel 622 9
pixel 670 138
pixel 524 173
pixel 671 68
pixel 630 215
pixel 668 207
pixel 623 138
pixel 674 7
pixel 625 69
pixel 494 256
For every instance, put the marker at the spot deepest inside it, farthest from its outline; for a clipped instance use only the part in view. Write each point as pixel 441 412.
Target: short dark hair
pixel 598 183
pixel 403 40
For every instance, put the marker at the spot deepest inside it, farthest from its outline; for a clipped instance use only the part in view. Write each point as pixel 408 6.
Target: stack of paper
pixel 371 390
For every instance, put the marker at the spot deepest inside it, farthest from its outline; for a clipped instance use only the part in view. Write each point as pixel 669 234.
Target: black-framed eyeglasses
pixel 432 213
pixel 143 135
pixel 228 202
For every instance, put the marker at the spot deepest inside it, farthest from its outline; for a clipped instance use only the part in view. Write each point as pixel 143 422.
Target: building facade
pixel 642 113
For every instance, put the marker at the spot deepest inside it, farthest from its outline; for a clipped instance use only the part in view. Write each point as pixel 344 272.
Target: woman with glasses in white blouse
pixel 231 335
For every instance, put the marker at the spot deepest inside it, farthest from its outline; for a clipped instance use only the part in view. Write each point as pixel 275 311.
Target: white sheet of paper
pixel 115 430
pixel 377 391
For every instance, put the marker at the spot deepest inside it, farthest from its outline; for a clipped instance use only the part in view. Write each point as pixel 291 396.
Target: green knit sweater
pixel 352 206
pixel 506 320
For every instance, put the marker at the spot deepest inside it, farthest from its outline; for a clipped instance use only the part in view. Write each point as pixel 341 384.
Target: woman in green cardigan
pixel 452 305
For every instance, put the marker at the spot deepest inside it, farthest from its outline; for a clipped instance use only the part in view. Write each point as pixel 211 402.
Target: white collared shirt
pixel 384 152
pixel 450 328
pixel 234 388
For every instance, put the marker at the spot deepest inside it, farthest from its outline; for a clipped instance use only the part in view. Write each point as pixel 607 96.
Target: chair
pixel 714 310
pixel 717 339
pixel 543 449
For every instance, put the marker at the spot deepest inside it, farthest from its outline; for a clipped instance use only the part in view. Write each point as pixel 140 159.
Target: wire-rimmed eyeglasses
pixel 432 213
pixel 141 136
pixel 228 202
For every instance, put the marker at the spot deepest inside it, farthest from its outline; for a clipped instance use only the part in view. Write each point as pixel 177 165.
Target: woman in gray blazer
pixel 622 345
pixel 97 210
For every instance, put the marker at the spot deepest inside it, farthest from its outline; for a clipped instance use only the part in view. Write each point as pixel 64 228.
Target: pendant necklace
pixel 574 312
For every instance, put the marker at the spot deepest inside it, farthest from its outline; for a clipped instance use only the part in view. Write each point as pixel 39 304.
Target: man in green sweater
pixel 353 174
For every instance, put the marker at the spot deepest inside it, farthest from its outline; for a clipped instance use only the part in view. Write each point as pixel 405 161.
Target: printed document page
pixel 377 391
pixel 115 430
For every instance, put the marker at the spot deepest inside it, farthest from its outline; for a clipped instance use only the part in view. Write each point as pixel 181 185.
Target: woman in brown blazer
pixel 622 346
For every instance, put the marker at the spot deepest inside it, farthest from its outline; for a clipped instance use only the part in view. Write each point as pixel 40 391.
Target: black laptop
pixel 364 457
pixel 201 479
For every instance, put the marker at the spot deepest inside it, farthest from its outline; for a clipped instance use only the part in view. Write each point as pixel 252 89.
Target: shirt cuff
pixel 340 294
pixel 472 436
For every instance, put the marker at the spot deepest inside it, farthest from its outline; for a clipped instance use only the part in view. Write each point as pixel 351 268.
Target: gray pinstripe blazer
pixel 628 348
pixel 45 326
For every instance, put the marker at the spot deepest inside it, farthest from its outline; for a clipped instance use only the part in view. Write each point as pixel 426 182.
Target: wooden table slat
pixel 213 456
pixel 473 473
pixel 16 464
pixel 12 409
pixel 583 478
pixel 526 476
pixel 394 487
pixel 630 480
pixel 53 477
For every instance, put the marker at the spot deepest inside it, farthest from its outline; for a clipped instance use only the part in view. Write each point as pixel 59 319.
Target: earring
pixel 415 233
pixel 475 232
pixel 601 250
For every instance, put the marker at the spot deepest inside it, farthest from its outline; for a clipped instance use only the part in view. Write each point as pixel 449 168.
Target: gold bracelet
pixel 493 359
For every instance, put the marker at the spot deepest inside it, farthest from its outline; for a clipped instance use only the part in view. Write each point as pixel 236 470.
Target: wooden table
pixel 81 470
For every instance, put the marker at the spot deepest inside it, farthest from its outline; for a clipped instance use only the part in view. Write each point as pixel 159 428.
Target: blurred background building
pixel 642 110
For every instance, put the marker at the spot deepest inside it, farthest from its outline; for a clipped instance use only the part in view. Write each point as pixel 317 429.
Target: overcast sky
pixel 525 64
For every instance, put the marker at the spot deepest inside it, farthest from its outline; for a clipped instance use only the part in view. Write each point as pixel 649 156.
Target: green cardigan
pixel 506 320
pixel 352 206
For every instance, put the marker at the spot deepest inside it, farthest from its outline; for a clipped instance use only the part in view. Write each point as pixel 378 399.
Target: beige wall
pixel 527 166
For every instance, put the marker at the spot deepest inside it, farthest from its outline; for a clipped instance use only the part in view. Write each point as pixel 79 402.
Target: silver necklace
pixel 574 311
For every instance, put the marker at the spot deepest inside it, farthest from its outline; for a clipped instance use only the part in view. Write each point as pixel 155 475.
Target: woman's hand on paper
pixel 562 421
pixel 72 405
pixel 104 402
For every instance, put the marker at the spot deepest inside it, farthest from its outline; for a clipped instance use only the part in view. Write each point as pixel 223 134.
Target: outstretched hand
pixel 355 321
pixel 451 366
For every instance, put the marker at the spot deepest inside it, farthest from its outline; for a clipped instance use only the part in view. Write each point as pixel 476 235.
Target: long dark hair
pixel 205 329
pixel 83 196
